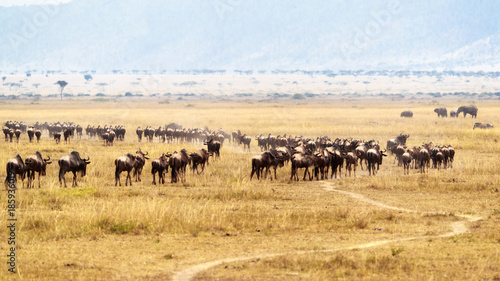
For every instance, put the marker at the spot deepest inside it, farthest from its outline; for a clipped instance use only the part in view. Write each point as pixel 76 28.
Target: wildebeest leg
pixel 117 177
pixel 129 178
pixel 154 179
pixel 39 173
pixel 74 179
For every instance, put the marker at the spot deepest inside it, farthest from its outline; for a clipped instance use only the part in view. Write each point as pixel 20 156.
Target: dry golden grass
pixel 144 232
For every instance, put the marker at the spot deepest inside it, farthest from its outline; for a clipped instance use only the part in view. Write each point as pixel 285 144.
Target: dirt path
pixel 457 228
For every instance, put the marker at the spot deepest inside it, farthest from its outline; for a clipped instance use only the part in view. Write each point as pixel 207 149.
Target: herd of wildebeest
pixel 321 158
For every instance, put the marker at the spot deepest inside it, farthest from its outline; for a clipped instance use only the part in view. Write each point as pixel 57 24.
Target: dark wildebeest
pixel 38 135
pixel 16 167
pixel 399 150
pixel 79 131
pixel 351 161
pixel 199 158
pixel 452 155
pixel 17 132
pixel 160 166
pixel 11 134
pixel 482 126
pixel 374 156
pixel 299 161
pixel 425 160
pixel 392 144
pixel 72 163
pixel 35 163
pixel 468 109
pixel 336 161
pixel 321 164
pixel 213 147
pixel 407 113
pixel 31 134
pixel 453 113
pixel 6 132
pixel 124 164
pixel 441 111
pixel 406 159
pixel 139 164
pixel 261 162
pixel 261 142
pixel 111 138
pixel 67 136
pixel 245 140
pixel 178 162
pixel 57 137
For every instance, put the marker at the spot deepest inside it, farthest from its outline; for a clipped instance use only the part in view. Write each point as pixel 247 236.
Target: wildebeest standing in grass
pixel 124 164
pixel 160 166
pixel 468 109
pixel 6 131
pixel 453 114
pixel 17 167
pixel 407 113
pixel 178 162
pixel 67 136
pixel 199 158
pixel 38 135
pixel 31 133
pixel 374 157
pixel 17 132
pixel 336 161
pixel 245 140
pixel 262 162
pixel 57 137
pixel 72 163
pixel 351 161
pixel 424 159
pixel 213 147
pixel 35 163
pixel 406 159
pixel 441 111
pixel 300 160
pixel 139 164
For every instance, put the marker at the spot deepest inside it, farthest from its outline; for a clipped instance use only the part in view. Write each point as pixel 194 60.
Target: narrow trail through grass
pixel 458 227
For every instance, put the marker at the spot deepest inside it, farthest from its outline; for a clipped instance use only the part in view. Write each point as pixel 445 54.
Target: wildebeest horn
pixel 146 153
pixel 46 159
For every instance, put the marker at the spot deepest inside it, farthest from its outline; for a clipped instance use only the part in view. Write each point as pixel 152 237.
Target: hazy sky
pixel 8 3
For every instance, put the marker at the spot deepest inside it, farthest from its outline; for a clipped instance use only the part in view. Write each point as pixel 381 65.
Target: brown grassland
pixel 97 231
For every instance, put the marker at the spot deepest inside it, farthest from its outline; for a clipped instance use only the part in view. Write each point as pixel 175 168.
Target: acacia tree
pixel 62 84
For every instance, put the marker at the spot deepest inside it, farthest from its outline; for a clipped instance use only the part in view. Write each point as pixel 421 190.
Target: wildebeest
pixel 15 166
pixel 300 160
pixel 139 164
pixel 178 162
pixel 72 163
pixel 38 135
pixel 79 131
pixel 6 131
pixel 213 147
pixel 245 140
pixel 482 126
pixel 424 159
pixel 406 159
pixel 261 162
pixel 392 144
pixel 31 133
pixel 35 163
pixel 160 166
pixel 407 113
pixel 199 158
pixel 67 136
pixel 336 161
pixel 441 111
pixel 453 113
pixel 351 161
pixel 17 132
pixel 124 164
pixel 468 109
pixel 57 137
pixel 374 157
pixel 261 142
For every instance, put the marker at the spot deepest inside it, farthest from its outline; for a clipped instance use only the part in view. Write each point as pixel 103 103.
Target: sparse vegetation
pixel 92 231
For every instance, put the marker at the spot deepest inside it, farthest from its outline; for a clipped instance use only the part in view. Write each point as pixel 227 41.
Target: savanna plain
pixel 288 230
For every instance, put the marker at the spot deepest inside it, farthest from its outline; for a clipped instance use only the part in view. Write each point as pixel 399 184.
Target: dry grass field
pixel 265 230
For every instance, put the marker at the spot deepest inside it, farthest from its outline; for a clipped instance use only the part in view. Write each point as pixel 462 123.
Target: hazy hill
pixel 235 34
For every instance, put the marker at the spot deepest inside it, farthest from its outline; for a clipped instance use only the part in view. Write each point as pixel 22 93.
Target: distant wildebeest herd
pixel 443 112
